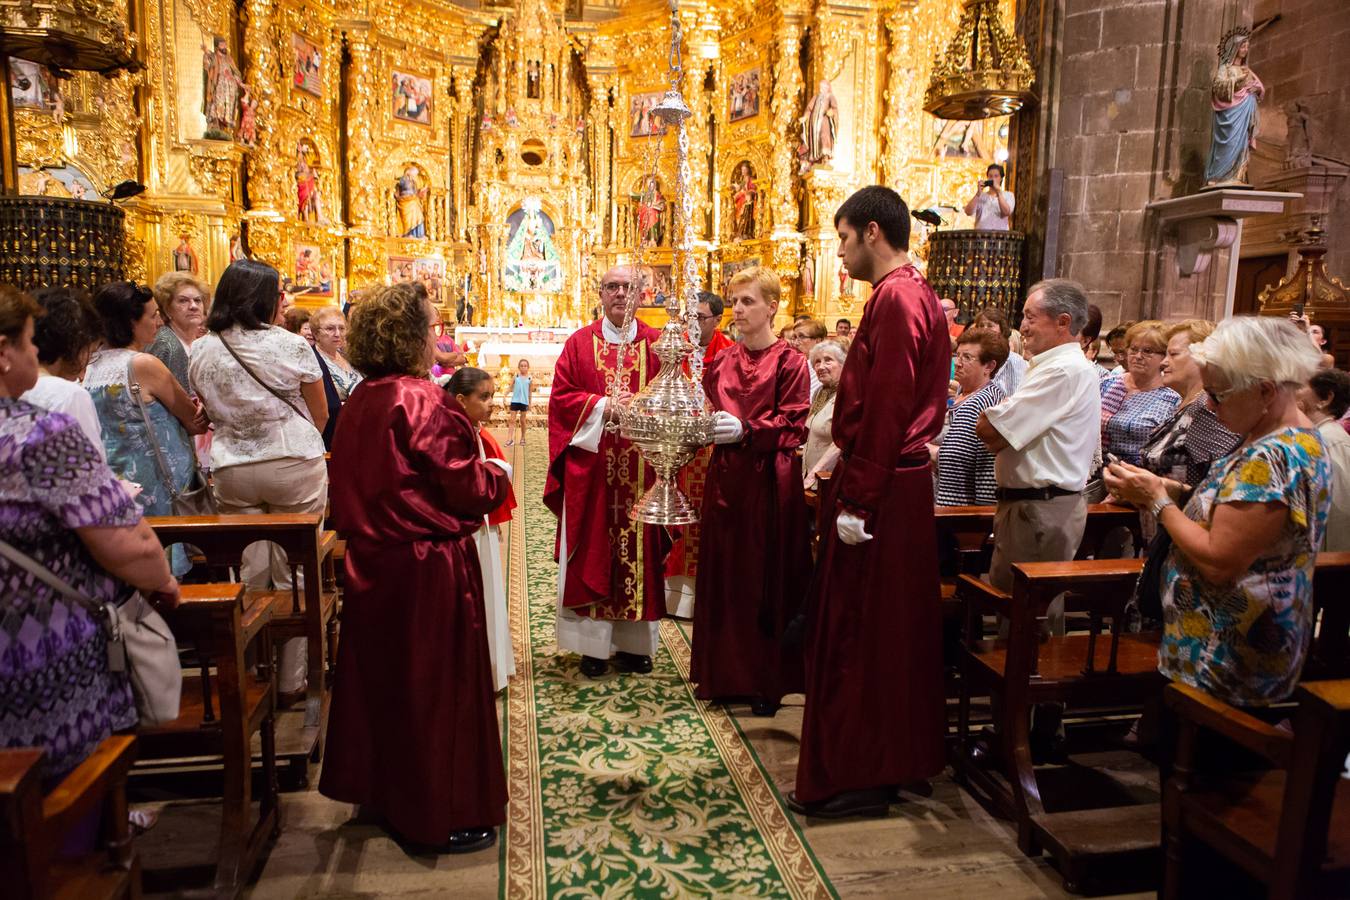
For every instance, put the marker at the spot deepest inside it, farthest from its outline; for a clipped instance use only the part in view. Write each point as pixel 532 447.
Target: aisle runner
pixel 626 786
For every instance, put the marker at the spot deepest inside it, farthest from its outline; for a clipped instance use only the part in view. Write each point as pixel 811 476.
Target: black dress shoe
pixel 633 662
pixel 593 667
pixel 873 802
pixel 765 709
pixel 470 840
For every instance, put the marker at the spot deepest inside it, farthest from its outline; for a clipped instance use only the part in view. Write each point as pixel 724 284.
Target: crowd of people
pixel 1229 438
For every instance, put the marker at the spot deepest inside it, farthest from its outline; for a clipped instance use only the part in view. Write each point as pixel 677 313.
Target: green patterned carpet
pixel 626 786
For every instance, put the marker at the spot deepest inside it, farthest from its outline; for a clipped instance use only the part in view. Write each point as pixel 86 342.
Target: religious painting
pixel 649 213
pixel 819 128
pixel 660 284
pixel 184 257
pixel 643 123
pixel 744 202
pixel 309 203
pixel 731 268
pixel 224 89
pixel 31 85
pixel 313 271
pixel 411 190
pixel 430 271
pixel 307 72
pixel 411 97
pixel 59 181
pixel 743 95
pixel 532 262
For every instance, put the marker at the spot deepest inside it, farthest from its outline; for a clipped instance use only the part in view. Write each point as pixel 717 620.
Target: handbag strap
pixel 165 476
pixel 267 387
pixel 47 577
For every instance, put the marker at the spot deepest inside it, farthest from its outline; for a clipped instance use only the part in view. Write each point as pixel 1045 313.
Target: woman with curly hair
pixel 413 735
pixel 182 301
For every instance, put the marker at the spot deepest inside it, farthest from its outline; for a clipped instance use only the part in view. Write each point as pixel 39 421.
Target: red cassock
pixel 875 713
pixel 755 559
pixel 412 732
pixel 607 562
pixel 683 559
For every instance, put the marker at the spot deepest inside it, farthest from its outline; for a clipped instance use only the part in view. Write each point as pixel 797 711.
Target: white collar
pixel 613 335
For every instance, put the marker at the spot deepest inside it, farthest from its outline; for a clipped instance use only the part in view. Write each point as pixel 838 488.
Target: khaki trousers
pixel 275 486
pixel 1037 531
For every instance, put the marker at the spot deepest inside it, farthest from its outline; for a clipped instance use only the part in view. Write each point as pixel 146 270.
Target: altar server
pixel 610 591
pixel 874 717
pixel 413 734
pixel 755 552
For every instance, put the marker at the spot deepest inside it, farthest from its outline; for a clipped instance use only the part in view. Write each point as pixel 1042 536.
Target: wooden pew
pixel 33 827
pixel 220 713
pixel 309 613
pixel 1288 826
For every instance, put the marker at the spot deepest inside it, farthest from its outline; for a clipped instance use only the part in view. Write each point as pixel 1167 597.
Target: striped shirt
pixel 965 465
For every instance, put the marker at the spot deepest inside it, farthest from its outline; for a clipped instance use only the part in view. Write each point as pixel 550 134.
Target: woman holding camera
pixel 991 206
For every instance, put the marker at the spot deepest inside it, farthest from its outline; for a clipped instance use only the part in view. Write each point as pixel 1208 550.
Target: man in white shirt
pixel 1044 437
pixel 991 206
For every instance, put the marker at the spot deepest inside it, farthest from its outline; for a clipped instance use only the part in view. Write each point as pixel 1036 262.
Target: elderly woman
pixel 965 467
pixel 413 733
pixel 809 333
pixel 182 302
pixel 821 453
pixel 146 415
pixel 1324 399
pixel 1136 402
pixel 329 327
pixel 1011 372
pixel 65 335
pixel 64 509
pixel 1237 583
pixel 755 525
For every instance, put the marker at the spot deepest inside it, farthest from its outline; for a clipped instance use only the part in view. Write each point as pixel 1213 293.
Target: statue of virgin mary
pixel 1234 95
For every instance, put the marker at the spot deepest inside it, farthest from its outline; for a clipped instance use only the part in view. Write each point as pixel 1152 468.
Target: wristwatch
pixel 1159 505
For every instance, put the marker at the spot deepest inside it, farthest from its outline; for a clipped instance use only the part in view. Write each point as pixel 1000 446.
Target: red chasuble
pixel 412 733
pixel 875 713
pixel 614 566
pixel 755 561
pixel 683 559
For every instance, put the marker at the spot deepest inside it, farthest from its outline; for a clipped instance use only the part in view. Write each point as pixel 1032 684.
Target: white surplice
pixel 488 541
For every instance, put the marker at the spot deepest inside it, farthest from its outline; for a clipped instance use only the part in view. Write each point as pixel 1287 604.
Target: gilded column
pixel 264 171
pixel 785 106
pixel 363 89
pixel 601 120
pixel 460 150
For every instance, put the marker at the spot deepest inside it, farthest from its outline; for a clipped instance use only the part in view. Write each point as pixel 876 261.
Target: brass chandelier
pixel 985 71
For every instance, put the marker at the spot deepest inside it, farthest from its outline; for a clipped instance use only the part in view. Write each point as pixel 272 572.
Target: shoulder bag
pixel 139 642
pixel 267 387
pixel 194 500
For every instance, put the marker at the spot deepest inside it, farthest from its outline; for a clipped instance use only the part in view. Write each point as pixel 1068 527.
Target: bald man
pixel 610 590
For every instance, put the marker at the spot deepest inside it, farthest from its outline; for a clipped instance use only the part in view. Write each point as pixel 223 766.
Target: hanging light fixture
pixel 985 71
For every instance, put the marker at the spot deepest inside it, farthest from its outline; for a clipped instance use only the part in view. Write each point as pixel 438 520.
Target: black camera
pixel 988 183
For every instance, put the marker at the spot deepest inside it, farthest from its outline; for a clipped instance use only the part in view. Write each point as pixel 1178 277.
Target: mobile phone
pixel 1298 309
pixel 1112 459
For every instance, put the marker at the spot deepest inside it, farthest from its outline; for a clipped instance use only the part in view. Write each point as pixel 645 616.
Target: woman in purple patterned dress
pixel 61 505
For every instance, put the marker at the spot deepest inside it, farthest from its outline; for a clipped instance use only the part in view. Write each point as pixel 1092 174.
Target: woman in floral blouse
pixel 1237 584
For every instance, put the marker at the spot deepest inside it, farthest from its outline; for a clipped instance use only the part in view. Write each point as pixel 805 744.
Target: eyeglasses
pixel 334 329
pixel 1145 351
pixel 437 326
pixel 1218 397
pixel 616 287
pixel 708 318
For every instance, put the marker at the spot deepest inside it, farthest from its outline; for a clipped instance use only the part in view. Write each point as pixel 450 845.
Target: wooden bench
pixel 219 715
pixel 1288 826
pixel 33 827
pixel 311 612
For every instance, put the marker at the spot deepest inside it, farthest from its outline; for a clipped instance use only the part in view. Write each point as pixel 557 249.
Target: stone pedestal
pixel 1191 230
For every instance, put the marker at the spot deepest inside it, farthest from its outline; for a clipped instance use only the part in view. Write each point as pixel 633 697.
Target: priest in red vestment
pixel 610 592
pixel 755 559
pixel 682 564
pixel 875 711
pixel 412 733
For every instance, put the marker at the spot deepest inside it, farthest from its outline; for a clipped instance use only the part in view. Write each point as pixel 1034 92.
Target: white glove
pixel 727 429
pixel 503 465
pixel 852 530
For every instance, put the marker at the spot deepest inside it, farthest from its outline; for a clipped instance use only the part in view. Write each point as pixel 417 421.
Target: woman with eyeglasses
pixel 1237 584
pixel 182 302
pixel 1136 402
pixel 329 327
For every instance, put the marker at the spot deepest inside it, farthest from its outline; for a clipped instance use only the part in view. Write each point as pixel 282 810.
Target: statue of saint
pixel 223 88
pixel 1234 95
pixel 409 194
pixel 184 257
pixel 820 124
pixel 307 188
pixel 745 198
pixel 532 86
pixel 248 119
pixel 809 277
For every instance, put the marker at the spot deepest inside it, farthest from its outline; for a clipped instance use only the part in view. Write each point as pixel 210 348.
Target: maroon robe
pixel 413 733
pixel 875 712
pixel 755 559
pixel 607 562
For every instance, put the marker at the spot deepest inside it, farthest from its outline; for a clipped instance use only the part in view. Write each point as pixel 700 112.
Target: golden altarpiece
pixel 503 154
